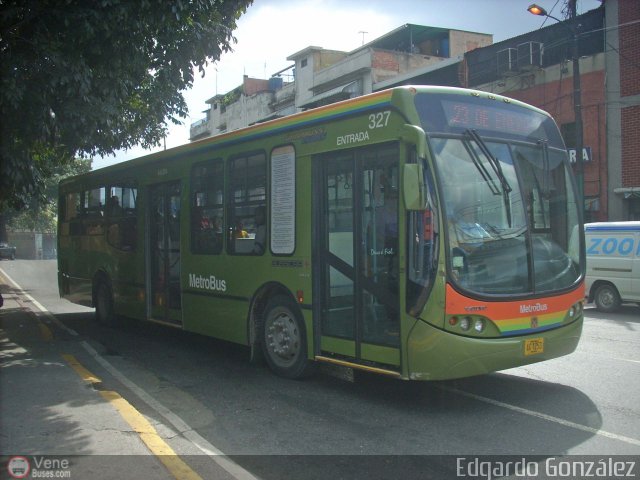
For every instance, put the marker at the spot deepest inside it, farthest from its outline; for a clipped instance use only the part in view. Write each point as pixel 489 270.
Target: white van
pixel 613 264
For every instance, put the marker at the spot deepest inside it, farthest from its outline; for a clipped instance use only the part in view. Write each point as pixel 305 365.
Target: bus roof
pixel 301 120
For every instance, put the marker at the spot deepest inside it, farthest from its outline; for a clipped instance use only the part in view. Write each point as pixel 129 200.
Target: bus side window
pixel 71 213
pixel 207 207
pixel 247 200
pixel 93 210
pixel 422 248
pixel 121 214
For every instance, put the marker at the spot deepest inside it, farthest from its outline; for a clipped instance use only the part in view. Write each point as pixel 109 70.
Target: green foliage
pixel 41 212
pixel 81 78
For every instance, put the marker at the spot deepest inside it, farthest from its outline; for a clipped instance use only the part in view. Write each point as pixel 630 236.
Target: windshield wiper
pixel 496 167
pixel 486 175
pixel 546 169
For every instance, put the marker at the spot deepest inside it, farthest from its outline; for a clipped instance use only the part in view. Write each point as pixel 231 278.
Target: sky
pixel 272 30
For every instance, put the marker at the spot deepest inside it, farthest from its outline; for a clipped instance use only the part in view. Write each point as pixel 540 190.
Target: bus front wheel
pixel 284 341
pixel 607 298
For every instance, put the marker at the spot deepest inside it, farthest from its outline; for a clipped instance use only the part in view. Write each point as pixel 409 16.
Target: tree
pixel 42 216
pixel 81 78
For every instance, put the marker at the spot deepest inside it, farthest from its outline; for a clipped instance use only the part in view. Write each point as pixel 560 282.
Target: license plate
pixel 533 346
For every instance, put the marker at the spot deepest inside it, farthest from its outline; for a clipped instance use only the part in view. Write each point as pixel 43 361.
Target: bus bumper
pixel 434 354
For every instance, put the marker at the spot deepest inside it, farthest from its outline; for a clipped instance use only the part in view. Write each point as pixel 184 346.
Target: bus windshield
pixel 511 216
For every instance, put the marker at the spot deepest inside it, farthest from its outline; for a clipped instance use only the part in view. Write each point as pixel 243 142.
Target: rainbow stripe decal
pixel 303 119
pixel 519 317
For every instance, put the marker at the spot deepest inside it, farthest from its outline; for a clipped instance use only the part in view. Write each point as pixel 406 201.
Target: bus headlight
pixel 575 310
pixel 478 325
pixel 465 323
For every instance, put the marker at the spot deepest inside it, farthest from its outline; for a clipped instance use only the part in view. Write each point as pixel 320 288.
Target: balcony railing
pixel 199 129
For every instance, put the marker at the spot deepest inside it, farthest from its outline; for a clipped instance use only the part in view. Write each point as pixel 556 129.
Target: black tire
pixel 607 298
pixel 104 304
pixel 284 339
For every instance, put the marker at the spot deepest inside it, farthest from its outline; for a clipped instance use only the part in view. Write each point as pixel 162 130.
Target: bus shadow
pixel 499 413
pixel 627 313
pixel 493 414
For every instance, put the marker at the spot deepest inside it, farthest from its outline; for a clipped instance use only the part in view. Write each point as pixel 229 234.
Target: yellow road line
pixel 47 336
pixel 176 466
pixel 85 374
pixel 150 437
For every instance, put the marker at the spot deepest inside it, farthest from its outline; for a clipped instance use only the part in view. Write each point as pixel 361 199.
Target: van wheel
pixel 104 304
pixel 284 339
pixel 607 298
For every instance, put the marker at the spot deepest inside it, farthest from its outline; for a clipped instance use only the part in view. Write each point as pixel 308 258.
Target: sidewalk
pixel 48 412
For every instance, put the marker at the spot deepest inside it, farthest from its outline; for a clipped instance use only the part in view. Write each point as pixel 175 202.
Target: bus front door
pixel 163 254
pixel 357 222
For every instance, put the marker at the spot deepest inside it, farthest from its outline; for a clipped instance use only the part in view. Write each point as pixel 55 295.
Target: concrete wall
pixel 33 246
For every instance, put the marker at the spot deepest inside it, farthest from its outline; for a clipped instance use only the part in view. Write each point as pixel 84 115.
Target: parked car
pixel 7 251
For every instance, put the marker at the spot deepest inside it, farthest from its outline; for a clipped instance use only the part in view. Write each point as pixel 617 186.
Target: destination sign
pixel 490 118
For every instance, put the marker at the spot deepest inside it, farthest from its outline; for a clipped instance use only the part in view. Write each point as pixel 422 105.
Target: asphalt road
pixel 205 397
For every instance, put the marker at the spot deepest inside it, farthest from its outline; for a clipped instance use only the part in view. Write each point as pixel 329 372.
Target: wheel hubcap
pixel 283 338
pixel 606 298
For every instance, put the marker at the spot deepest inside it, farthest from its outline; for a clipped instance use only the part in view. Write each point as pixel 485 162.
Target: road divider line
pixel 181 426
pixel 176 466
pixel 544 416
pixel 147 433
pixel 45 331
pixel 185 430
pixel 85 374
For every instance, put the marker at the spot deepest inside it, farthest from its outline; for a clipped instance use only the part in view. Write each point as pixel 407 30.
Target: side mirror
pixel 413 187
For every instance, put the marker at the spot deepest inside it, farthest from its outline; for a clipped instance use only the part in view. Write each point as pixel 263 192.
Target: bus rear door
pixel 164 300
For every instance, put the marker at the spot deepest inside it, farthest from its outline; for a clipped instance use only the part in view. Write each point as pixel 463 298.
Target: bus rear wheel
pixel 104 304
pixel 607 298
pixel 284 341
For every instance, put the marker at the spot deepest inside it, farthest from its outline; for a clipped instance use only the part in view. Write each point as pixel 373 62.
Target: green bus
pixel 419 232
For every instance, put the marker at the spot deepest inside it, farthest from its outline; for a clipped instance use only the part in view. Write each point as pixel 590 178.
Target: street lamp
pixel 577 96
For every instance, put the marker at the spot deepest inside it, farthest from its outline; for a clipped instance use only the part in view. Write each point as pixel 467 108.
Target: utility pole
pixel 577 103
pixel 572 25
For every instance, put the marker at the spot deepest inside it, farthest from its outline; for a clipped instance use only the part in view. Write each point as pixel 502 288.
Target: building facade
pixel 320 77
pixel 623 108
pixel 534 67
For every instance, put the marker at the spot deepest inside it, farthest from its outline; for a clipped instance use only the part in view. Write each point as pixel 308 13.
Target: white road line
pixel 544 416
pixel 625 360
pixel 207 448
pixel 50 316
pixel 189 433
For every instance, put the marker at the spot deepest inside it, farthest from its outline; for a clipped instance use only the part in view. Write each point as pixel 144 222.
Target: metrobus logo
pixel 207 283
pixel 537 307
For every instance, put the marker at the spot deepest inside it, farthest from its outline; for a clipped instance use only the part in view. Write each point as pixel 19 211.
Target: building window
pixel 303 63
